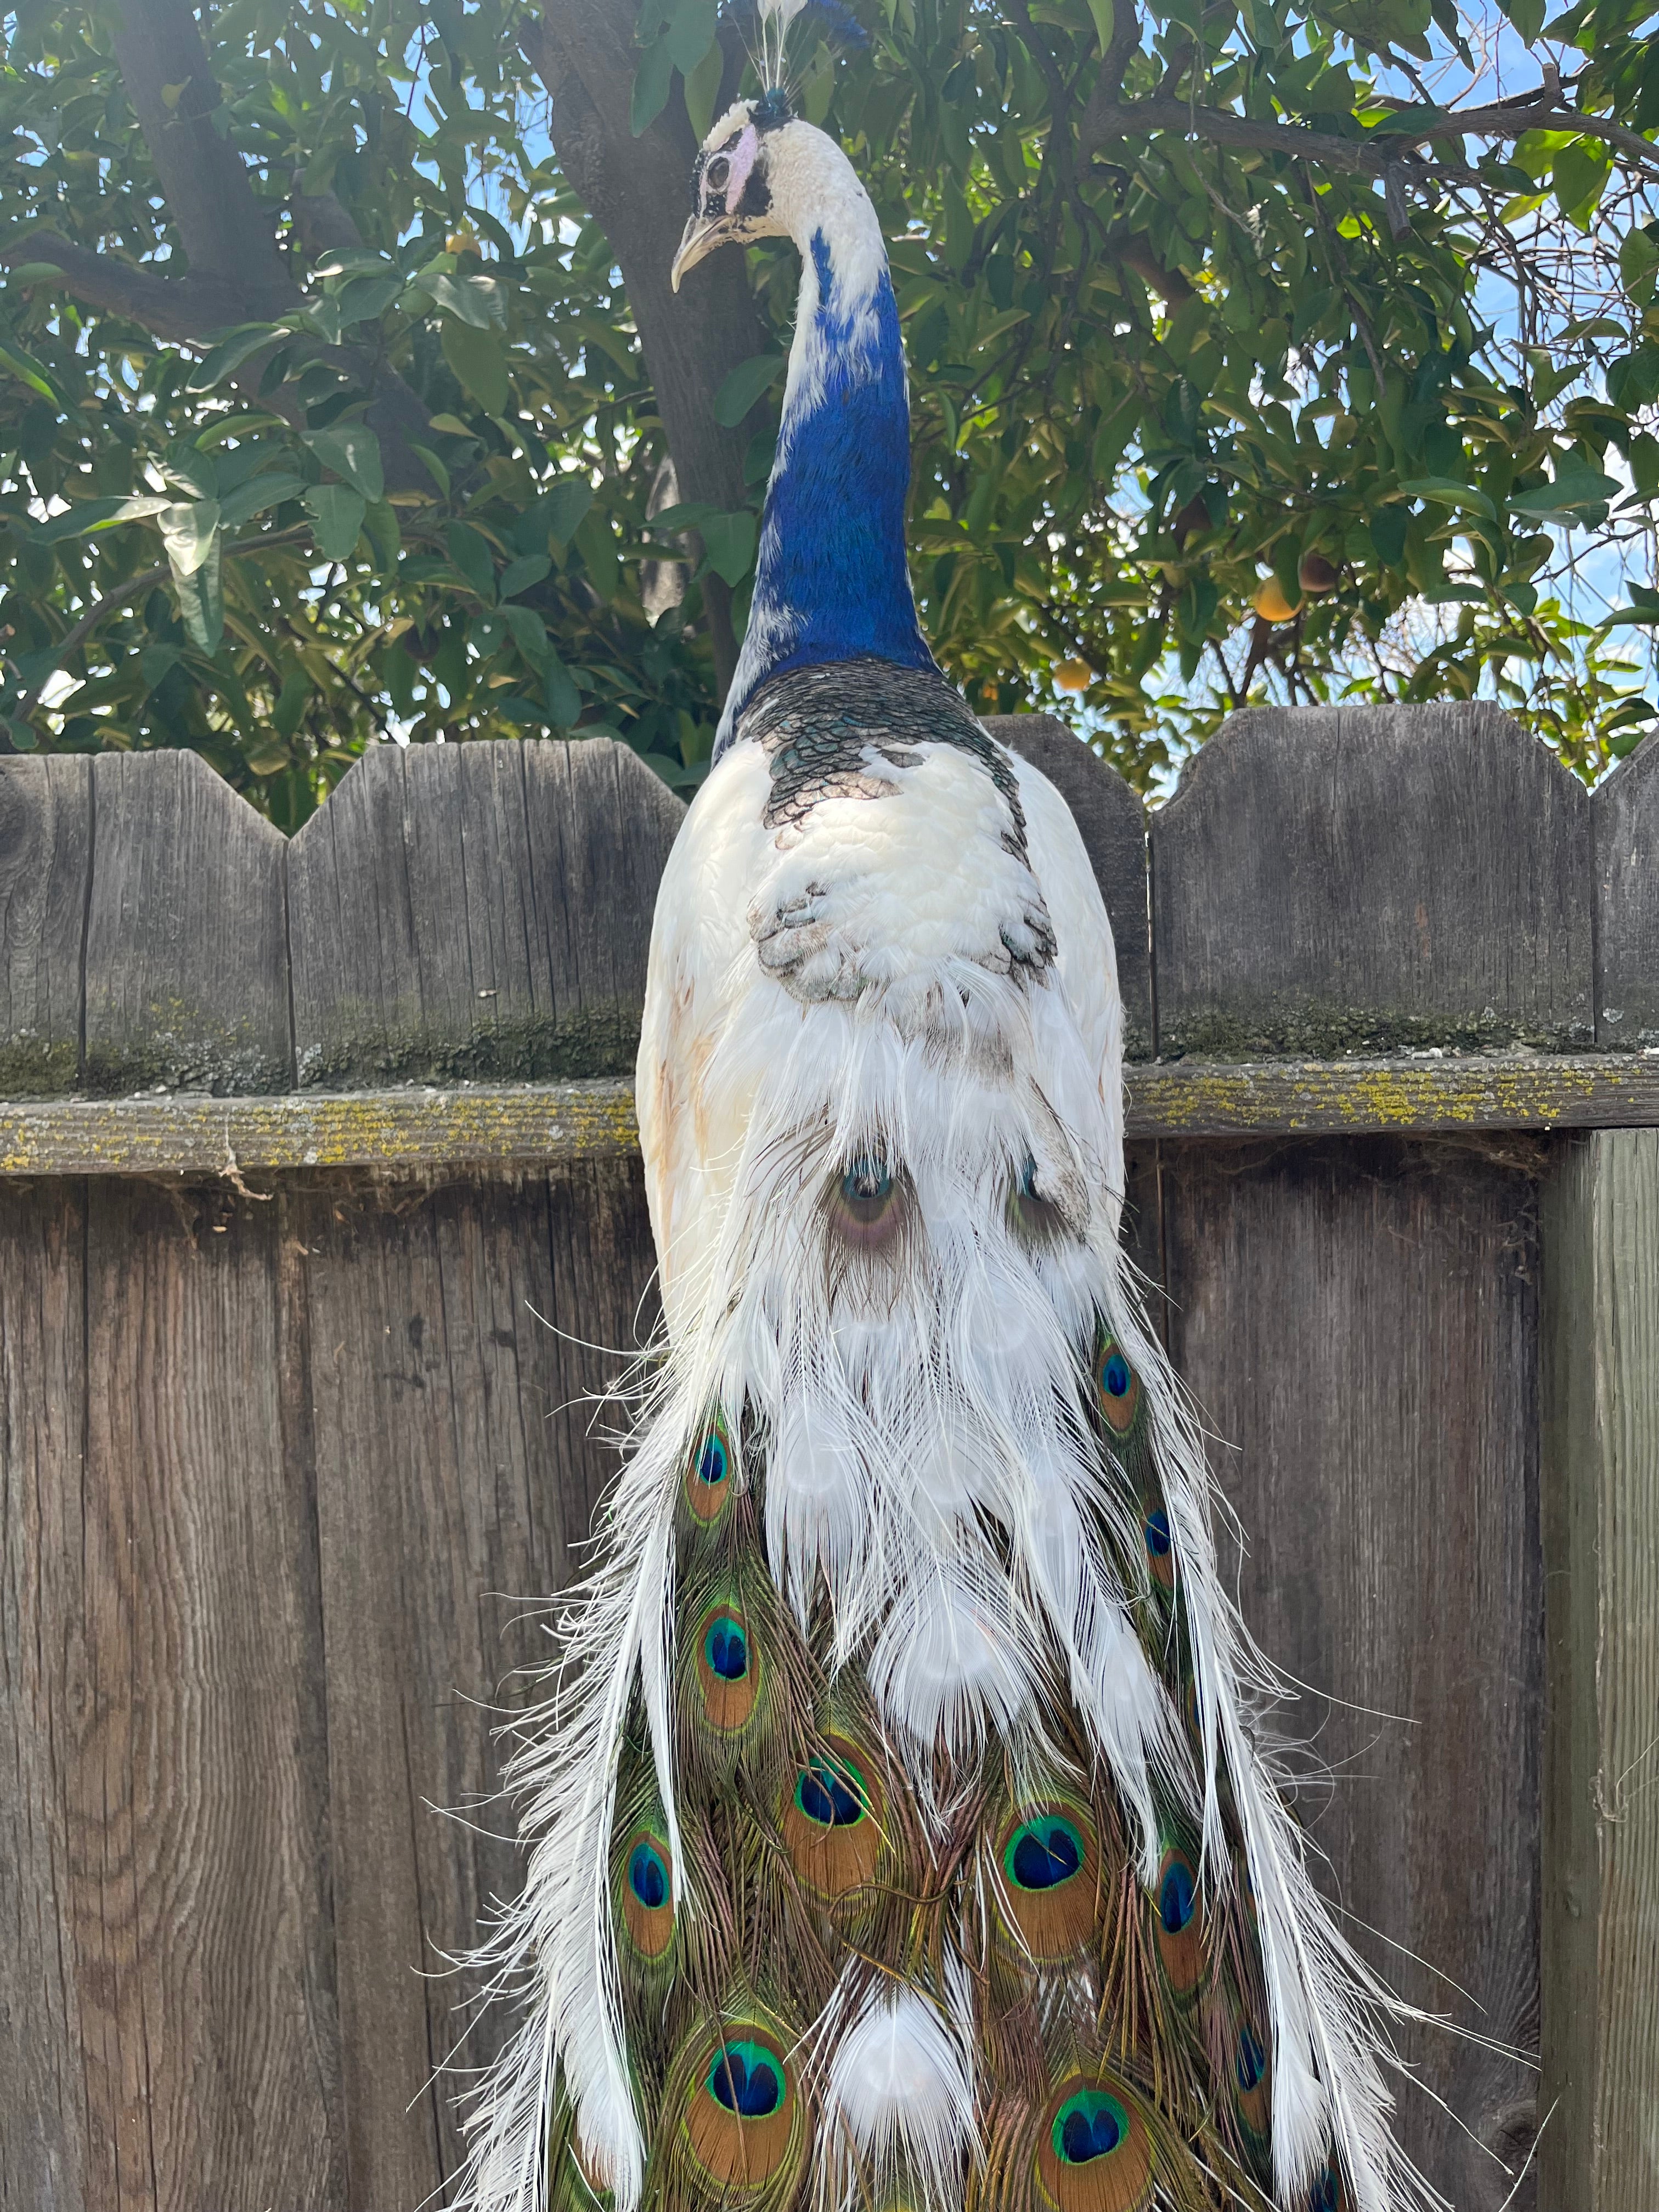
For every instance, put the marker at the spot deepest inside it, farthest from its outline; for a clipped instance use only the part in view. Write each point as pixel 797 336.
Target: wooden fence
pixel 319 1207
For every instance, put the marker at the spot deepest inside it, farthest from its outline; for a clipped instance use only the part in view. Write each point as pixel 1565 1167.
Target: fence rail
pixel 307 1143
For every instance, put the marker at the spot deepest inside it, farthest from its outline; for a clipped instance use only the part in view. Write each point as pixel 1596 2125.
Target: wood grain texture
pixel 1112 822
pixel 1601 1365
pixel 479 910
pixel 186 959
pixel 458 1464
pixel 1357 1320
pixel 1359 879
pixel 43 1388
pixel 167 1972
pixel 45 849
pixel 1625 815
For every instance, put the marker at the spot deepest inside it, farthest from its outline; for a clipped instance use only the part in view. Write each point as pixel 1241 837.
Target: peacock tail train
pixel 902 1831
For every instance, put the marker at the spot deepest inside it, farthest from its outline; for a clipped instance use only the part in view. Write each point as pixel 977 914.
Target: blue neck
pixel 831 581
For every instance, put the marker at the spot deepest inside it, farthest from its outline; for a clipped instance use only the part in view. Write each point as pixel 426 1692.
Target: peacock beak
pixel 703 233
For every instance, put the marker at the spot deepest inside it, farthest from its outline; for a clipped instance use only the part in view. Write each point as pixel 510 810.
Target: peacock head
pixel 763 173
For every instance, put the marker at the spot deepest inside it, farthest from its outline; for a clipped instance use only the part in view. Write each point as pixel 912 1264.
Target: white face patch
pixel 726 172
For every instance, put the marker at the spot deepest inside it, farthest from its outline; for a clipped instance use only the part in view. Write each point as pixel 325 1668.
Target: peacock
pixel 903 1830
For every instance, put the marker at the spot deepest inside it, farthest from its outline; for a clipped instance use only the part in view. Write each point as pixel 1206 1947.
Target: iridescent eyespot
pixel 1117 1388
pixel 745 2078
pixel 647 1877
pixel 725 1646
pixel 1087 2126
pixel 1042 1854
pixel 867 1183
pixel 831 1795
pixel 1176 1901
pixel 1251 2061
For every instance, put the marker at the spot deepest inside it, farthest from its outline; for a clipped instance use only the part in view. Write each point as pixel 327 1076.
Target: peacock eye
pixel 716 174
pixel 867 1206
pixel 867 1185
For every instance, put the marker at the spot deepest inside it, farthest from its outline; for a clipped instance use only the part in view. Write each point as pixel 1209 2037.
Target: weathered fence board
pixel 1601 1215
pixel 187 957
pixel 480 911
pixel 1357 1320
pixel 46 853
pixel 174 1776
pixel 1625 811
pixel 1359 879
pixel 457 1473
pixel 43 1394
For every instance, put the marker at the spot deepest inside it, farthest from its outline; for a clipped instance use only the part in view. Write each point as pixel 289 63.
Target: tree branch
pixel 637 191
pixel 1375 154
pixel 1126 41
pixel 225 231
pixel 182 309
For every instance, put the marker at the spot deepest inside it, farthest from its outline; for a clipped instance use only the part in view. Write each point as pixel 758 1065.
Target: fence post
pixel 1600 1425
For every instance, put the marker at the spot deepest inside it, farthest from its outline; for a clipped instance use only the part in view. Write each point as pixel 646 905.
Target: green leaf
pixel 435 468
pixel 380 528
pixel 257 494
pixel 1639 262
pixel 1579 174
pixel 1448 492
pixel 529 633
pixel 190 532
pixel 1577 487
pixel 564 701
pixel 366 298
pixel 729 542
pixel 744 386
pixel 23 739
pixel 90 514
pixel 28 370
pixel 477 301
pixel 337 518
pixel 1388 528
pixel 224 359
pixel 702 89
pixel 291 701
pixel 352 451
pixel 476 358
pixel 690 34
pixel 1527 16
pixel 351 261
pixel 598 548
pixel 469 551
pixel 201 598
pixel 652 80
pixel 518 575
pixel 567 503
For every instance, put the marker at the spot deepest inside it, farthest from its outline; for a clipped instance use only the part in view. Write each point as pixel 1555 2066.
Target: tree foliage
pixel 1257 351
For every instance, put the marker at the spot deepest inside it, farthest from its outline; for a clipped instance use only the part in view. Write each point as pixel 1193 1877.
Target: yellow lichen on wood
pixel 519 1125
